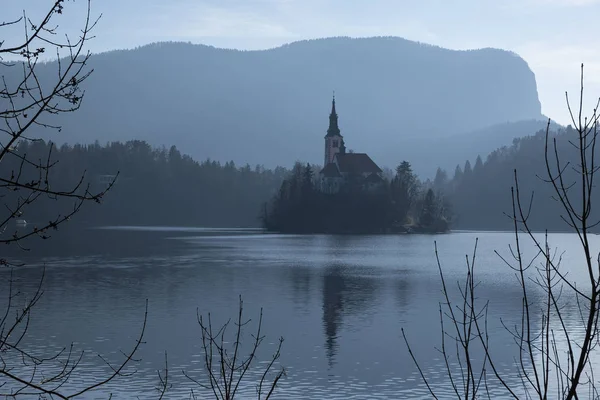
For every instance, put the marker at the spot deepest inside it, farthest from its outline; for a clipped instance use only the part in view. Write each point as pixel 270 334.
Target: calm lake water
pixel 340 303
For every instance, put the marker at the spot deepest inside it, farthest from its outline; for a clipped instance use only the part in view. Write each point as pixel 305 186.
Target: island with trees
pixel 351 194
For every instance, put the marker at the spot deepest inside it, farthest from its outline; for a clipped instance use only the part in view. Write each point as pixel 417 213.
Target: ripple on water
pixel 339 302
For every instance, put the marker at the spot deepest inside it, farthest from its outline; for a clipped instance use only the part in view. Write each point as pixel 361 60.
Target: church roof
pixel 356 163
pixel 373 178
pixel 331 171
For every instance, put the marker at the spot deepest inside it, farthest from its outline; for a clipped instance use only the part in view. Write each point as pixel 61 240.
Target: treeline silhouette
pixel 481 193
pixel 161 186
pixel 397 205
pixel 154 186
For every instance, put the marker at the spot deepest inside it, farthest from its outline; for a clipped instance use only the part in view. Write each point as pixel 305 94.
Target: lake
pixel 339 302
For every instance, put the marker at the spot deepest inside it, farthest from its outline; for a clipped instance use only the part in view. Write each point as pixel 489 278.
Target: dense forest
pixel 160 186
pixel 398 205
pixel 153 186
pixel 481 192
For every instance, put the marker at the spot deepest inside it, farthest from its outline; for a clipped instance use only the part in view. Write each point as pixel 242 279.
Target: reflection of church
pixel 340 166
pixel 333 308
pixel 344 295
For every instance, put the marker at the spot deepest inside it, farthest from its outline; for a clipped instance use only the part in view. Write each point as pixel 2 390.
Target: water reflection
pixel 345 294
pixel 301 287
pixel 402 290
pixel 339 301
pixel 333 291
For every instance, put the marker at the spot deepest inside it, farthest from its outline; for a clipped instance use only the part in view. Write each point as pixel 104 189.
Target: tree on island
pixel 404 190
pixel 300 207
pixel 428 210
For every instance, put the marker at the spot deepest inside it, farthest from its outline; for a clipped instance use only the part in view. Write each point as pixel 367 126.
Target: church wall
pixel 330 149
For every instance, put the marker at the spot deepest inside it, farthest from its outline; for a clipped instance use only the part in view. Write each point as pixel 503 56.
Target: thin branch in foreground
pixel 227 374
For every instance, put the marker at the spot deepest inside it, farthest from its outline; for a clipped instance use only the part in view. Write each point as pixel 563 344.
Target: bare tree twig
pixel 540 363
pixel 225 378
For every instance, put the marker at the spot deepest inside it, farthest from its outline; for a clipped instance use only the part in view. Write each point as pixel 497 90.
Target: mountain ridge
pixel 270 106
pixel 303 42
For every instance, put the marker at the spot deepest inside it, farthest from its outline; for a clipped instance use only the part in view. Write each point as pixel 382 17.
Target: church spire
pixel 334 129
pixel 333 104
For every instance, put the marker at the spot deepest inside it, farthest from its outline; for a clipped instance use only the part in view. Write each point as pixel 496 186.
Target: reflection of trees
pixel 402 289
pixel 73 241
pixel 333 289
pixel 344 295
pixel 301 286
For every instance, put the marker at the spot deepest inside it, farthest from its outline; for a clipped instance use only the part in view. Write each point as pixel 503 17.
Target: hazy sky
pixel 553 36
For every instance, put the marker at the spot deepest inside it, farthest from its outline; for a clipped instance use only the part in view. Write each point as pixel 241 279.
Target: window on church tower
pixel 335 144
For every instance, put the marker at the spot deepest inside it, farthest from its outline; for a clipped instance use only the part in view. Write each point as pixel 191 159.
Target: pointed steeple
pixel 334 129
pixel 333 104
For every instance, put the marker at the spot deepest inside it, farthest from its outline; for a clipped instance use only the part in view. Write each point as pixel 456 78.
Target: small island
pixel 351 194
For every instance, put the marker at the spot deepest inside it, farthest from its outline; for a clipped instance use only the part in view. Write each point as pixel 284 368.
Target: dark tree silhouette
pixel 429 209
pixel 481 200
pixel 300 207
pixel 478 164
pixel 175 189
pixel 404 191
pixel 467 171
pixel 441 180
pixel 458 174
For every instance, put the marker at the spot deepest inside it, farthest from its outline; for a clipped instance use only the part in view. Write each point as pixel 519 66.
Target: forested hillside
pixel 154 186
pixel 270 107
pixel 160 186
pixel 448 151
pixel 481 192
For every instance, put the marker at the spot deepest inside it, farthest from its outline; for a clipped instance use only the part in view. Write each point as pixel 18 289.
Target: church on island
pixel 341 166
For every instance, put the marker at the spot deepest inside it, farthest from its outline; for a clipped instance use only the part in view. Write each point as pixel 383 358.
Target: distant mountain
pixel 270 107
pixel 453 150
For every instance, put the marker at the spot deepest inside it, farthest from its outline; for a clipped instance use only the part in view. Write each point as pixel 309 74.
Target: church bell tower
pixel 334 141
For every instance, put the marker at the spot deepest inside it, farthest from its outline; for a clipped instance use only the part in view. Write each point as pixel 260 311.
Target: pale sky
pixel 553 36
